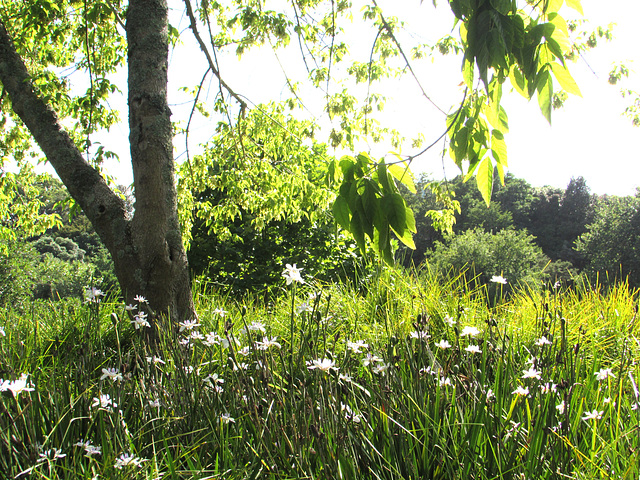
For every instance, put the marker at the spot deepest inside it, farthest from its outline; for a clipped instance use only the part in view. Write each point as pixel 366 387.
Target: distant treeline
pixel 573 232
pixel 528 235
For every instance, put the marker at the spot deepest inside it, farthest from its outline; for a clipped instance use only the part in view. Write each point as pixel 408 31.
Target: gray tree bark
pixel 147 249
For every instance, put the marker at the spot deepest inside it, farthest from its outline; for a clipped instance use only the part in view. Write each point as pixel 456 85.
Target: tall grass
pixel 329 381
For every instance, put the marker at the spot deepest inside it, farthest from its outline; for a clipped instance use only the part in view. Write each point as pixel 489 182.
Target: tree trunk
pixel 163 270
pixel 147 249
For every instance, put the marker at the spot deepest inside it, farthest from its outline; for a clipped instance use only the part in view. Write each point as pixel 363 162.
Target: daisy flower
pixel 17 386
pixel 543 341
pixel 469 330
pixel 473 349
pixel 267 342
pixel 595 415
pixel 356 346
pixel 324 365
pixel 524 391
pixel 292 274
pixel 188 325
pixel 604 373
pixel 126 460
pixel 112 373
pixel 531 373
pixel 226 419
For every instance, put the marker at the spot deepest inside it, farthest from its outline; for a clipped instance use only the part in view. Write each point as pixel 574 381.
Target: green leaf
pixel 353 199
pixel 367 225
pixel 517 24
pixel 340 211
pixel 396 212
pixel 565 79
pixel 545 94
pixel 496 96
pixel 381 237
pixel 576 5
pixel 403 175
pixel 370 199
pixel 346 164
pixel 411 221
pixel 502 6
pixel 484 179
pixel 357 230
pixel 460 144
pixel 518 81
pixel 331 177
pixel 560 23
pixel 383 179
pixel 500 170
pixel 504 120
pixel 468 70
pixel 406 238
pixel 499 147
pixel 387 255
pixel 474 161
pixel 558 50
pixel 553 5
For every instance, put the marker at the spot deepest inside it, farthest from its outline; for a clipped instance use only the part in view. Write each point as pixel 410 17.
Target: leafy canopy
pixel 524 43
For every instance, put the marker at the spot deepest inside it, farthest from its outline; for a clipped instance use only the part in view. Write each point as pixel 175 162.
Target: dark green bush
pixel 18 273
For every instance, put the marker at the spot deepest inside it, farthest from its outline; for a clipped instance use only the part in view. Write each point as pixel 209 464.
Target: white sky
pixel 589 137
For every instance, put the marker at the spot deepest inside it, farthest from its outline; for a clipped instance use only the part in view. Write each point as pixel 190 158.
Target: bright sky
pixel 588 138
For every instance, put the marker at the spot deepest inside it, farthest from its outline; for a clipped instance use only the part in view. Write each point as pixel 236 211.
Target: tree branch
pixel 103 207
pixel 212 65
pixel 389 30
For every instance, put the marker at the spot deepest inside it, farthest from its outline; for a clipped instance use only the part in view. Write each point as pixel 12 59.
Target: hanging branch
pixel 410 158
pixel 91 85
pixel 186 132
pixel 304 58
pixel 212 64
pixel 333 39
pixel 389 30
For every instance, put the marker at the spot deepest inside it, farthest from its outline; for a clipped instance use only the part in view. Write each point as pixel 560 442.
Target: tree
pixel 576 212
pixel 545 212
pixel 20 207
pixel 499 40
pixel 611 244
pixel 147 249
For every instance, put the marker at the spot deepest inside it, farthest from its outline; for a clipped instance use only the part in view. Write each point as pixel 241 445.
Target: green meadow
pixel 406 375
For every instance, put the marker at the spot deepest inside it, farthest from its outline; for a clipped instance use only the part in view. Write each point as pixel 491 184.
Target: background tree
pixel 62 262
pixel 255 206
pixel 545 212
pixel 516 197
pixel 576 212
pixel 611 244
pixel 481 255
pixel 21 208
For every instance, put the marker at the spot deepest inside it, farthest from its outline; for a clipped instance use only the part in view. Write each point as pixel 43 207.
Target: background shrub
pixel 510 253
